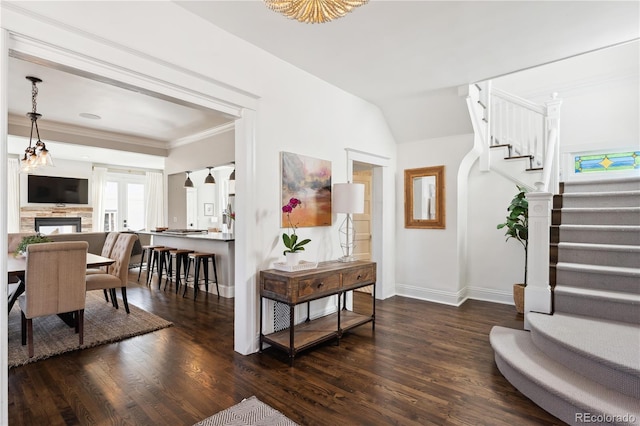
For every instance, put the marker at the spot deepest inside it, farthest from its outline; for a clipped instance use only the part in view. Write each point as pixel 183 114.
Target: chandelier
pixel 35 155
pixel 314 11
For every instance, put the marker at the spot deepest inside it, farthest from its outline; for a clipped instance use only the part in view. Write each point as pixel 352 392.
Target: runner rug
pixel 102 324
pixel 250 411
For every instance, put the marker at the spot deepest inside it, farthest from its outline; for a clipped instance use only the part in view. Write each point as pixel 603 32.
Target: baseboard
pixel 490 295
pixel 432 295
pixel 455 298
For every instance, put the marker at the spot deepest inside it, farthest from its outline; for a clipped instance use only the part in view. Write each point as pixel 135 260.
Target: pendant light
pixel 188 183
pixel 35 155
pixel 209 179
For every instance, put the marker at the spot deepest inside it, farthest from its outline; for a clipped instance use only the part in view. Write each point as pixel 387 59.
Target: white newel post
pixel 537 295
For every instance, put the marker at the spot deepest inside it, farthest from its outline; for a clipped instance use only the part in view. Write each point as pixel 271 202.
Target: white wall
pixel 427 265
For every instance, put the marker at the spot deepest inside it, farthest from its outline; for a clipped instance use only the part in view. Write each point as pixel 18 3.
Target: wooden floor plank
pixel 424 364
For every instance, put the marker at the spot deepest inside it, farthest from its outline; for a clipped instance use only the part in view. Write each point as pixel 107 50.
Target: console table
pixel 328 279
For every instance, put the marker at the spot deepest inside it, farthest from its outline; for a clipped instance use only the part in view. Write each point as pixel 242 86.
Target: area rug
pixel 251 411
pixel 102 324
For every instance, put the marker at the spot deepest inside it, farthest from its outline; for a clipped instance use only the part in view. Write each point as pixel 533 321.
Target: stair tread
pixel 606 341
pixel 600 209
pixel 619 270
pixel 598 246
pixel 517 349
pixel 600 194
pixel 625 228
pixel 592 293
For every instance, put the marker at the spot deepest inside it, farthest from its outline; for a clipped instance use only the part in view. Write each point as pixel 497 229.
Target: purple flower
pixel 287 208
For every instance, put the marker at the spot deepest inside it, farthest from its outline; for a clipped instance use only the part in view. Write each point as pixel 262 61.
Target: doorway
pixel 362 173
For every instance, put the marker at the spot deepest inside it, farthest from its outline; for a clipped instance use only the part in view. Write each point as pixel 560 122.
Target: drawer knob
pixel 320 284
pixel 358 277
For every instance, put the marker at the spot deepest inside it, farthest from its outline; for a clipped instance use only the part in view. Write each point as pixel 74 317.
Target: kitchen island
pixel 222 244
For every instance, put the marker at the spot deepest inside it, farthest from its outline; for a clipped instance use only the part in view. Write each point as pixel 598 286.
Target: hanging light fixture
pixel 314 11
pixel 209 179
pixel 36 155
pixel 233 173
pixel 188 183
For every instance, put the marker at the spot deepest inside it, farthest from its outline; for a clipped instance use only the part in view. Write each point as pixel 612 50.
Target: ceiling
pixel 407 57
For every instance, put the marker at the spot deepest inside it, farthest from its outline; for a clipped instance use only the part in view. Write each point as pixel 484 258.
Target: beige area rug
pixel 250 411
pixel 102 324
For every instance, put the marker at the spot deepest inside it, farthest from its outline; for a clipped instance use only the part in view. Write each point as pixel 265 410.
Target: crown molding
pixel 223 128
pixel 63 128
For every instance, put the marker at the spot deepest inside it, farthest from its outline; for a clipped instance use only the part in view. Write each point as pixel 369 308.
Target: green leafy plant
pixel 517 223
pixel 291 241
pixel 31 239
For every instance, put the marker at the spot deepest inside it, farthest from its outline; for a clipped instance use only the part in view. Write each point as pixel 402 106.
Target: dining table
pixel 17 265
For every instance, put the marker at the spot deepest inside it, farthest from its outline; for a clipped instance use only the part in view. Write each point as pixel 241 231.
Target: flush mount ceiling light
pixel 314 11
pixel 188 183
pixel 209 179
pixel 35 155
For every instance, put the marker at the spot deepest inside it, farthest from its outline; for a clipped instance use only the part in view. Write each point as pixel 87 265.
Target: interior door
pixel 362 222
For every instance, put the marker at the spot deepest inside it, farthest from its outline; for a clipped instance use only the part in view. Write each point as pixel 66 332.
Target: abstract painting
pixel 309 180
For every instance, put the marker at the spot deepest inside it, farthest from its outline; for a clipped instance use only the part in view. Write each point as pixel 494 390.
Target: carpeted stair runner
pixel 584 360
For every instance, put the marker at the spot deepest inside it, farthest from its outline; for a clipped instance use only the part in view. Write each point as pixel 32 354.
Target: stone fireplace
pixel 73 219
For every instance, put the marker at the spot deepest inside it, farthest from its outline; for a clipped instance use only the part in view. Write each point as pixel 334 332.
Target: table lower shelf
pixel 316 331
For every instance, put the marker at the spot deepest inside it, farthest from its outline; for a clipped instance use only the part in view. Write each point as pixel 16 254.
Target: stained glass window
pixel 612 162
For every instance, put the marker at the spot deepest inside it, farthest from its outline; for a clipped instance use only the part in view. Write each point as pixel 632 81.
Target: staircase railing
pixel 519 123
pixel 527 128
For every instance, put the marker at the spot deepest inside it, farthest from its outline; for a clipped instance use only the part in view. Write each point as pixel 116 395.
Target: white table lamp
pixel 347 198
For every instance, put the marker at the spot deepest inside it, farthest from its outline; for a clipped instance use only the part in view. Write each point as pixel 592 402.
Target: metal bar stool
pixel 146 250
pixel 161 260
pixel 198 259
pixel 180 256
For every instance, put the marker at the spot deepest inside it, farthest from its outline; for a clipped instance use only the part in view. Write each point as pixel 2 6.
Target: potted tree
pixel 517 227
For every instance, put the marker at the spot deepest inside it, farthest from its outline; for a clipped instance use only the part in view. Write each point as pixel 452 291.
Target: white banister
pixel 551 176
pixel 537 294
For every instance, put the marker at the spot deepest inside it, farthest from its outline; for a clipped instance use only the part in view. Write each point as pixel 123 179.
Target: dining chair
pixel 54 284
pixel 109 242
pixel 117 273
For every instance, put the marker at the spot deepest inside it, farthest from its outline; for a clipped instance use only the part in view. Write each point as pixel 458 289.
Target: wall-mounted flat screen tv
pixel 57 190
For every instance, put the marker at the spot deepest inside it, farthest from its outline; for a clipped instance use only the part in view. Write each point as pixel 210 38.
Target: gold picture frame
pixel 424 198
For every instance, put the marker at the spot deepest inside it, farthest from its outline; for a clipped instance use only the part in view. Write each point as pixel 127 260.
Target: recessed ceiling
pixel 76 100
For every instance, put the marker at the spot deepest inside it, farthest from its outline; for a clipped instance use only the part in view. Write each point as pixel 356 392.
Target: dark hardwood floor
pixel 424 364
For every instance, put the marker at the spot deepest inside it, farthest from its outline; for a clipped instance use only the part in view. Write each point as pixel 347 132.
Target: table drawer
pixel 275 287
pixel 358 276
pixel 318 285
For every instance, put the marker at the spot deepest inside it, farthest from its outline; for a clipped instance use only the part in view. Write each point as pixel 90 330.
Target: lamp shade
pixel 348 198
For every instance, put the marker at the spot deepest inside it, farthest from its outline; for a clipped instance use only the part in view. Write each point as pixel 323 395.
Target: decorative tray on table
pixel 302 266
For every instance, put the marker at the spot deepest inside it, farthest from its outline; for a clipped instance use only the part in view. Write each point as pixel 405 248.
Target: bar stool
pixel 198 259
pixel 146 250
pixel 161 260
pixel 180 256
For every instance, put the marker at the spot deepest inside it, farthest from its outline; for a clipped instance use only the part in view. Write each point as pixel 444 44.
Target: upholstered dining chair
pixel 13 241
pixel 117 273
pixel 54 284
pixel 109 242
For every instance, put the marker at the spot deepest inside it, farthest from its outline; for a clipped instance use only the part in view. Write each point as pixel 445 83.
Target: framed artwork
pixel 309 180
pixel 208 209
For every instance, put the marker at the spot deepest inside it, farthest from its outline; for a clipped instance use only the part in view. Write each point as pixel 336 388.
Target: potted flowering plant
pixel 291 240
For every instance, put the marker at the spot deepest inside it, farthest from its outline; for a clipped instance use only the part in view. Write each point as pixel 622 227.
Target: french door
pixel 124 203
